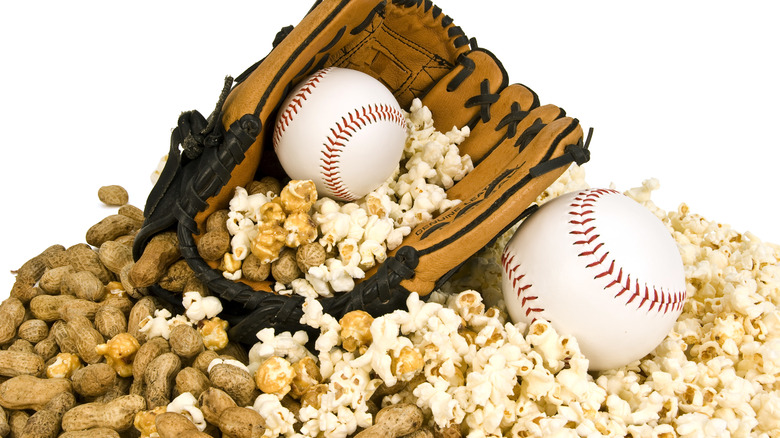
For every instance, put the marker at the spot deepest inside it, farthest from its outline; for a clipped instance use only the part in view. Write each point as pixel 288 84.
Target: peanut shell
pixel 113 195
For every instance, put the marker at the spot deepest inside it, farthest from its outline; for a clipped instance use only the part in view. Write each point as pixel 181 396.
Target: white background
pixel 686 92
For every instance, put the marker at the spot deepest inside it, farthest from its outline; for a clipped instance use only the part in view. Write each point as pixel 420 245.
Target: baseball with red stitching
pixel 599 267
pixel 342 129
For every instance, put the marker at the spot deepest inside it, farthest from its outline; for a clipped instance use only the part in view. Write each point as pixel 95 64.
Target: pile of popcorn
pixel 473 372
pixel 357 235
pixel 476 374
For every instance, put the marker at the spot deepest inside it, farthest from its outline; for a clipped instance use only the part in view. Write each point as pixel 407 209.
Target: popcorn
pixel 334 275
pixel 407 363
pixel 356 330
pixel 186 404
pixel 300 230
pixel 160 324
pixel 214 333
pixel 64 365
pixel 305 289
pixel 278 419
pixel 199 308
pixel 343 406
pixel 445 409
pixel 269 241
pixel 334 225
pixel 119 352
pixel 144 421
pixel 238 223
pixel 457 357
pixel 298 196
pixel 231 264
pixel 247 205
pixel 275 376
pixel 285 345
pixel 307 375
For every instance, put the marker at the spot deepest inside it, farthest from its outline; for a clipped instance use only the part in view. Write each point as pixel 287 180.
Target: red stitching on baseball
pixel 608 271
pixel 584 233
pixel 508 262
pixel 660 300
pixel 600 261
pixel 589 240
pixel 286 117
pixel 340 136
pixel 591 252
pixel 583 222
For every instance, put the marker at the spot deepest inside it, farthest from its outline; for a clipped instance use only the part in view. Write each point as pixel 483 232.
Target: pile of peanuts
pixel 77 358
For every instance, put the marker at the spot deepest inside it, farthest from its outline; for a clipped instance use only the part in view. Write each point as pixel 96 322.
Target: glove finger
pixel 503 154
pixel 464 96
pixel 447 241
pixel 513 104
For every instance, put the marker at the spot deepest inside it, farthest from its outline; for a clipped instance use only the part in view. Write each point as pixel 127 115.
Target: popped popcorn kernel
pixel 119 352
pixel 144 421
pixel 186 404
pixel 408 362
pixel 301 229
pixel 198 307
pixel 306 376
pixel 356 330
pixel 298 196
pixel 63 366
pixel 160 324
pixel 271 213
pixel 214 333
pixel 269 241
pixel 275 376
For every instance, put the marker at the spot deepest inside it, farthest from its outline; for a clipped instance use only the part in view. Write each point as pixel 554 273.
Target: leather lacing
pixel 529 134
pixel 484 100
pixel 511 120
pixel 195 132
pixel 573 153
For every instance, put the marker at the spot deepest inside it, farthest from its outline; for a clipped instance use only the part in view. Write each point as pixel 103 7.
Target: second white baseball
pixel 599 267
pixel 342 129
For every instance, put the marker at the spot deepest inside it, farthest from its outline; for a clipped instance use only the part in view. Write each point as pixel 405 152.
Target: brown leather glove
pixel 519 148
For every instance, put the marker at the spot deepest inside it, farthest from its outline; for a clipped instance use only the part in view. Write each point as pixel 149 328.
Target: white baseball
pixel 342 129
pixel 599 267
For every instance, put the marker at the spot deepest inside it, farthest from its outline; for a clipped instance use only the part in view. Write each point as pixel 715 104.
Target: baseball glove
pixel 518 147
